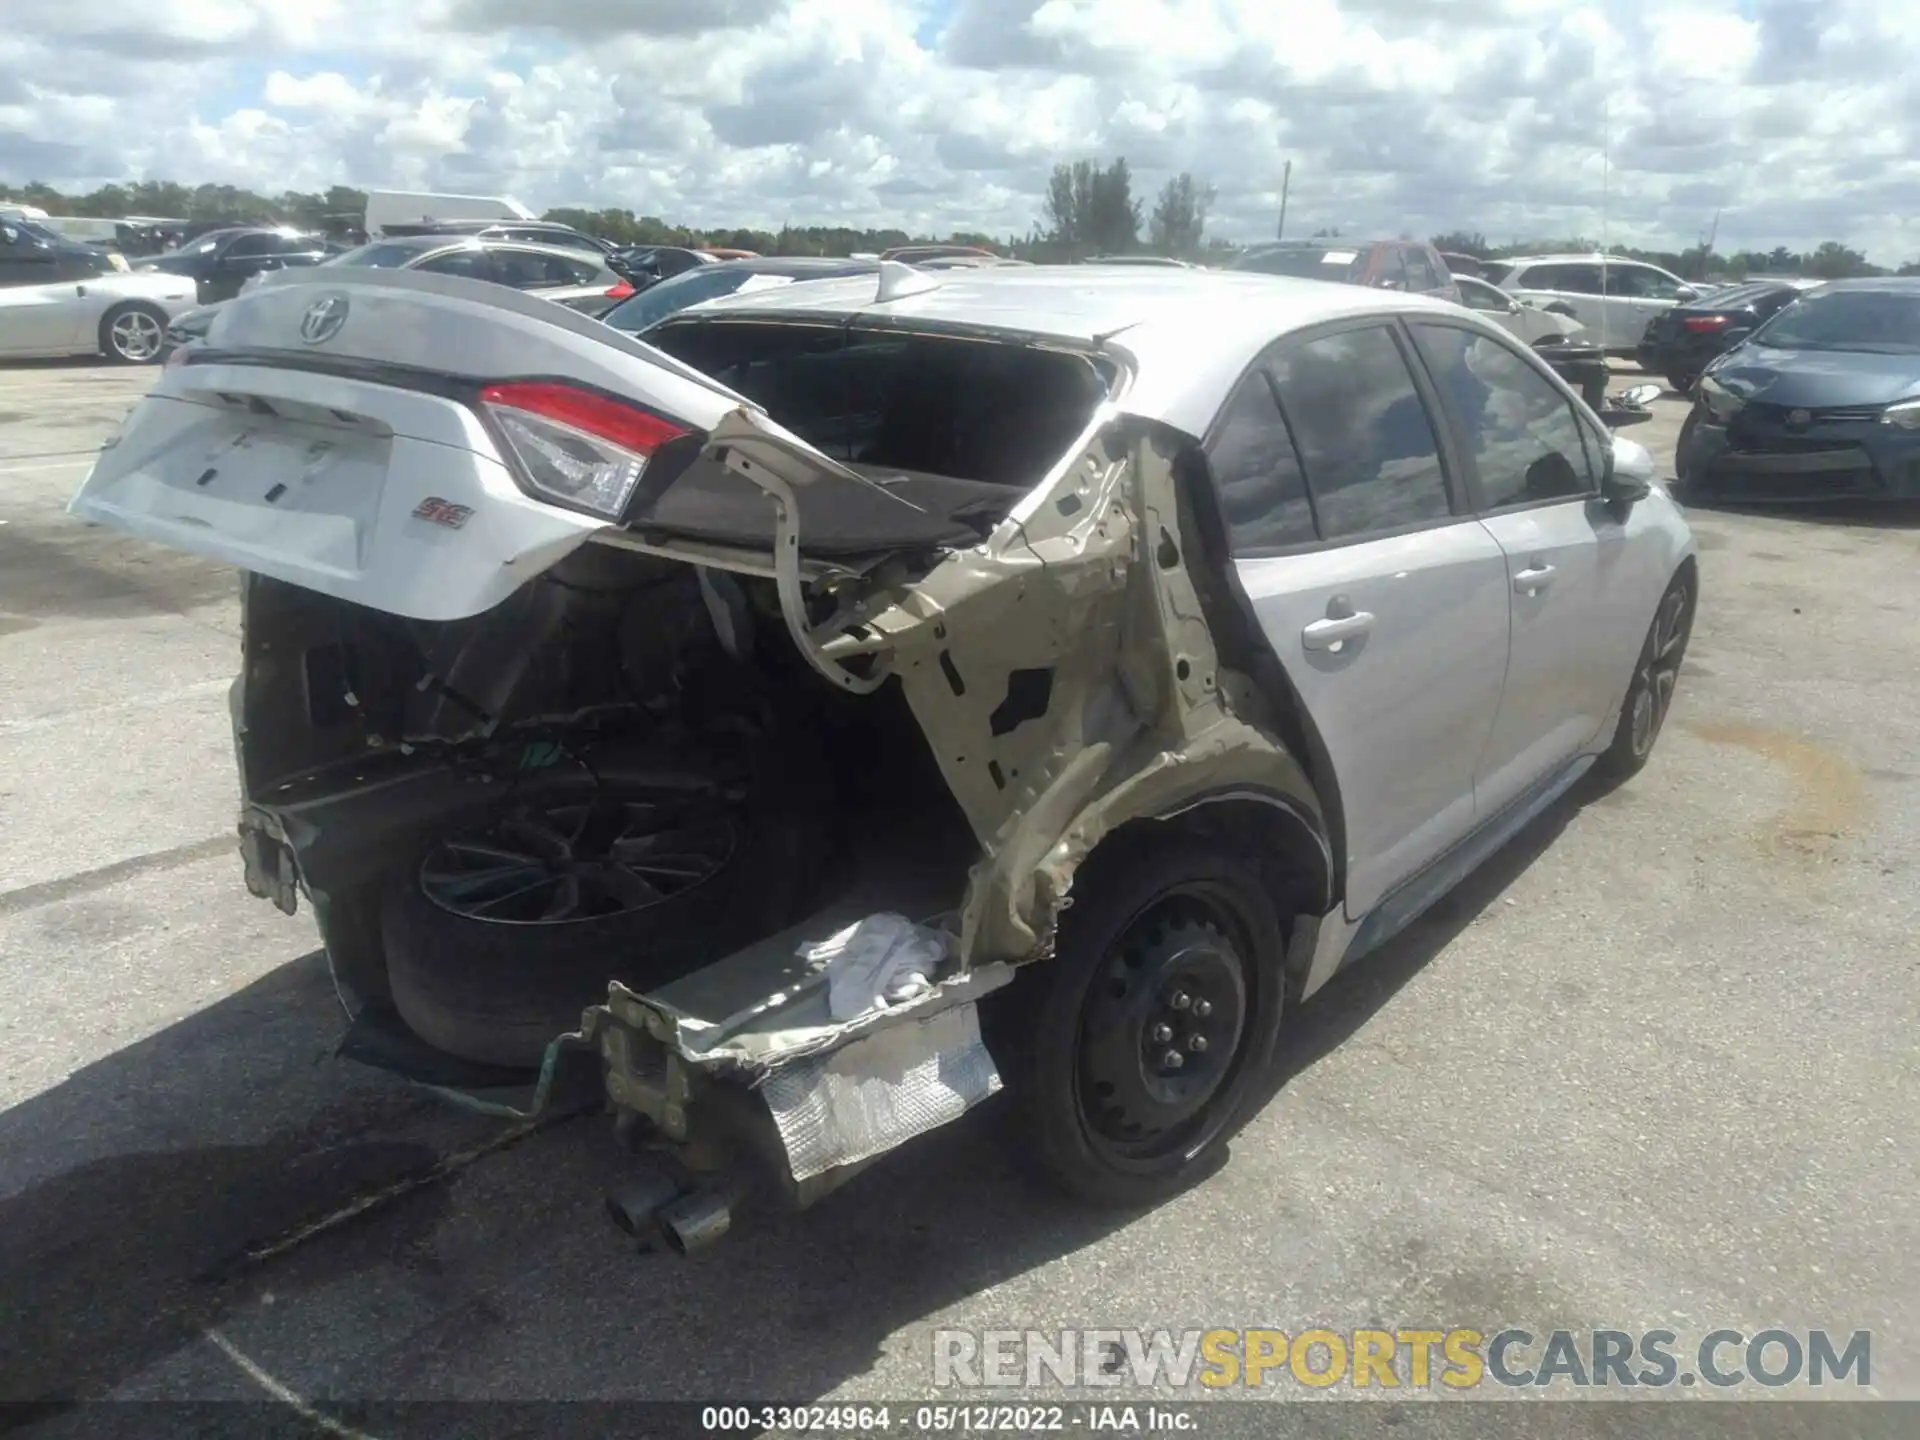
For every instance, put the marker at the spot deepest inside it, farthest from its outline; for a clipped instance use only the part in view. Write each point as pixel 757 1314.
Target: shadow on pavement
pixel 1846 514
pixel 139 1182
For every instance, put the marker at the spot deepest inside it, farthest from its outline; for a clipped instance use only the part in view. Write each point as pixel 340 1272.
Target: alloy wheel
pixel 581 860
pixel 136 336
pixel 1660 668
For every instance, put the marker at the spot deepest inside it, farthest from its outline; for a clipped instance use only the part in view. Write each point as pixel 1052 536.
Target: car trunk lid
pixel 333 433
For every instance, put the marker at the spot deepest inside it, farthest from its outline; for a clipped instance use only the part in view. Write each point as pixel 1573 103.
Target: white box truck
pixel 421 207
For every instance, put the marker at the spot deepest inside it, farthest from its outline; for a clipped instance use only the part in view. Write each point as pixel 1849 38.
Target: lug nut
pixel 1203 1008
pixel 1162 1033
pixel 1173 1060
pixel 1197 1043
pixel 1180 1000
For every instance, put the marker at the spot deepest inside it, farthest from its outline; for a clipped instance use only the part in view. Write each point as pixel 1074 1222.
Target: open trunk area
pixel 624 772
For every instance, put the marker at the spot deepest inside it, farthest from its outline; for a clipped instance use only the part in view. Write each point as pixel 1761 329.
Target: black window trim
pixel 1458 497
pixel 1469 465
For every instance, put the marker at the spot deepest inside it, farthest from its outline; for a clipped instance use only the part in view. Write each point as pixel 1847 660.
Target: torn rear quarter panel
pixel 1065 675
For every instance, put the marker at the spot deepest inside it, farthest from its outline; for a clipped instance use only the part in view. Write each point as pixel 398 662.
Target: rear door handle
pixel 1535 578
pixel 1336 630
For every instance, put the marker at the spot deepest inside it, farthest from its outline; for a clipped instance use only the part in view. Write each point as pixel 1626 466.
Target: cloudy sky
pixel 1414 115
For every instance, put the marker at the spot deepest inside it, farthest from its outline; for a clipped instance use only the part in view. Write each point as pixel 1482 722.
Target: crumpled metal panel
pixel 878 1092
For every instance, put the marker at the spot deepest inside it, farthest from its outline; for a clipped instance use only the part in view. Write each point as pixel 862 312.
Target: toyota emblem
pixel 1799 417
pixel 323 319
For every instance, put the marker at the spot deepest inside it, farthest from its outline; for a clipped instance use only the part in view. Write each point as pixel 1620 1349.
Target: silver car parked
pixel 867 693
pixel 58 298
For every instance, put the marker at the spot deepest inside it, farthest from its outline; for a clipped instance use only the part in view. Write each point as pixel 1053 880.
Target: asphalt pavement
pixel 1654 1066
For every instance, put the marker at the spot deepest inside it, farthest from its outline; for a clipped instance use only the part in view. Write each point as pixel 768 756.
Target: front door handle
pixel 1535 578
pixel 1336 630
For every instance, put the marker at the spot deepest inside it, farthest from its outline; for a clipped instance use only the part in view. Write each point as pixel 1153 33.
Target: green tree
pixel 1463 242
pixel 1179 223
pixel 1834 261
pixel 1091 211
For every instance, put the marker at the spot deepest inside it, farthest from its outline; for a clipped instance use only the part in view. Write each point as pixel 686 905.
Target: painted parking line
pixel 40 465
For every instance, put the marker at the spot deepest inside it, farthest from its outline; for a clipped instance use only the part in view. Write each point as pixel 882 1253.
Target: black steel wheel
pixel 1161 1029
pixel 1643 714
pixel 1141 1039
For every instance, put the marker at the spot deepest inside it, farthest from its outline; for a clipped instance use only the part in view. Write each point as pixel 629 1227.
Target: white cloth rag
pixel 880 961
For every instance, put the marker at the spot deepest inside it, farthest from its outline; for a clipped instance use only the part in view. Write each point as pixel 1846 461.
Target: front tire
pixel 1650 693
pixel 1682 471
pixel 1142 1040
pixel 133 334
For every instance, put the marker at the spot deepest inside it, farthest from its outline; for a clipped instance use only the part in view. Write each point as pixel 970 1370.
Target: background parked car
pixel 1821 402
pixel 1682 342
pixel 1412 266
pixel 221 261
pixel 60 298
pixel 568 277
pixel 1471 266
pixel 726 277
pixel 1615 299
pixel 1559 339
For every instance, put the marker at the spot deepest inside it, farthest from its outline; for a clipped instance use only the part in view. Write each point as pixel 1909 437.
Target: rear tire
pixel 496 991
pixel 1643 714
pixel 1165 943
pixel 133 333
pixel 1682 384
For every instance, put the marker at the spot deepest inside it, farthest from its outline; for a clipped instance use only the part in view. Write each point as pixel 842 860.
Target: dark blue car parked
pixel 1822 402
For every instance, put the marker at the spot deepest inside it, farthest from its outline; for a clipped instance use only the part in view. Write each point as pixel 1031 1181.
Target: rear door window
pixel 535 270
pixel 1568 279
pixel 1363 433
pixel 474 263
pixel 1263 491
pixel 1518 429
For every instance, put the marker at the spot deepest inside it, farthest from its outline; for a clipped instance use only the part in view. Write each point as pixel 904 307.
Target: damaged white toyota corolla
pixel 1118 654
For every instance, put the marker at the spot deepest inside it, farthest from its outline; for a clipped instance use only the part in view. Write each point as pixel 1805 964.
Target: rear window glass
pixel 380 255
pixel 937 405
pixel 1309 262
pixel 673 295
pixel 1738 295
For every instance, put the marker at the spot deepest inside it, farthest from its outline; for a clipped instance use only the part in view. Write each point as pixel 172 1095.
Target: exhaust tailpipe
pixel 697 1221
pixel 634 1205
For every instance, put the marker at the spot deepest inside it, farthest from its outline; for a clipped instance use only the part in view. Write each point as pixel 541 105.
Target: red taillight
pixel 1702 323
pixel 575 445
pixel 620 291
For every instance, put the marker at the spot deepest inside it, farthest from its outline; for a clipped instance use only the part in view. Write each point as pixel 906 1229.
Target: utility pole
pixel 1286 180
pixel 1706 251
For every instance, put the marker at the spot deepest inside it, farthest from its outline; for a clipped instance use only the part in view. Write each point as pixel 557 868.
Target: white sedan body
pixel 63 318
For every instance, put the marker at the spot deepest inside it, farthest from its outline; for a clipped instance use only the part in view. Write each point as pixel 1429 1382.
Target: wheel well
pixel 1291 854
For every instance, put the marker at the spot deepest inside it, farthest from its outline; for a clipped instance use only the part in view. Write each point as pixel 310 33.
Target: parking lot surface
pixel 1655 1065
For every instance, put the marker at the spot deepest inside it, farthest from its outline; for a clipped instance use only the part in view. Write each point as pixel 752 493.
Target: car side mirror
pixel 1686 293
pixel 1627 479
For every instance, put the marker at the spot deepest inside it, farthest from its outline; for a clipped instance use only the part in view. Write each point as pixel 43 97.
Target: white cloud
pixel 1794 116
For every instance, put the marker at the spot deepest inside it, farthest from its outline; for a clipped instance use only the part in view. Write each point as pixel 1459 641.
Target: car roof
pixel 1591 257
pixel 1878 284
pixel 1187 335
pixel 791 265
